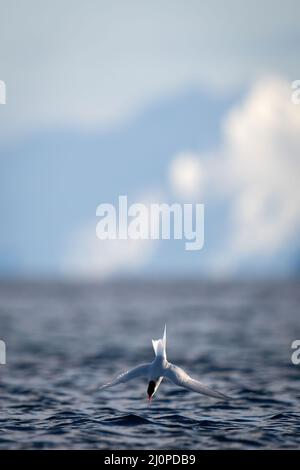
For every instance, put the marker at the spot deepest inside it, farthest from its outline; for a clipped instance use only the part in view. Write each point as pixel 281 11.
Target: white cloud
pixel 186 175
pixel 94 63
pixel 262 146
pixel 89 257
pixel 256 172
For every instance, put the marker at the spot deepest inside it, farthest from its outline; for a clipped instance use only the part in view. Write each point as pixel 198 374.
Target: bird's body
pixel 161 368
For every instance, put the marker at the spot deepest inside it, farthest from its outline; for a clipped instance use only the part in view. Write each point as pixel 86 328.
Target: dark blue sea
pixel 64 340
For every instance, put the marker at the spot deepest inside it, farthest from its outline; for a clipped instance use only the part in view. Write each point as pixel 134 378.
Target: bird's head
pixel 151 388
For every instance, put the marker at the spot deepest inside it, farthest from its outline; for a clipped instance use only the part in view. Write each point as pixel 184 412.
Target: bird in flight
pixel 161 368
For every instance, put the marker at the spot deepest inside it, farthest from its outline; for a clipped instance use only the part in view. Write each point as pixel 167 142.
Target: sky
pixel 162 101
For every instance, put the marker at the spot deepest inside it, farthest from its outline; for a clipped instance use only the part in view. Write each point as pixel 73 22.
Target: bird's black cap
pixel 151 388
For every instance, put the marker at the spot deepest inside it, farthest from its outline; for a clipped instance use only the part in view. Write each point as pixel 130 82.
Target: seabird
pixel 161 368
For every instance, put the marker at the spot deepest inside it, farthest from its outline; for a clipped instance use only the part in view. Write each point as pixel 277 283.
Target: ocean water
pixel 64 340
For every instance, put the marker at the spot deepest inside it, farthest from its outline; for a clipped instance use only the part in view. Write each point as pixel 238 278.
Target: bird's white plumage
pixel 160 345
pixel 179 377
pixel 139 371
pixel 160 368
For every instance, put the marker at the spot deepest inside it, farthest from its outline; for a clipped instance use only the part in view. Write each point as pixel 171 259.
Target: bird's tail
pixel 159 345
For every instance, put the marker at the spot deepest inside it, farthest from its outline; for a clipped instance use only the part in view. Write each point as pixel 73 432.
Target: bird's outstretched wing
pixel 181 378
pixel 139 371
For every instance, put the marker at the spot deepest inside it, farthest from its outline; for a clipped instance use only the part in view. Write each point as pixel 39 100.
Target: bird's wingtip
pixel 226 397
pixel 102 387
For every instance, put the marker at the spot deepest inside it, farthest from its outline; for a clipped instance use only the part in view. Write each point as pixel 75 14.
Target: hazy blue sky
pixel 108 97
